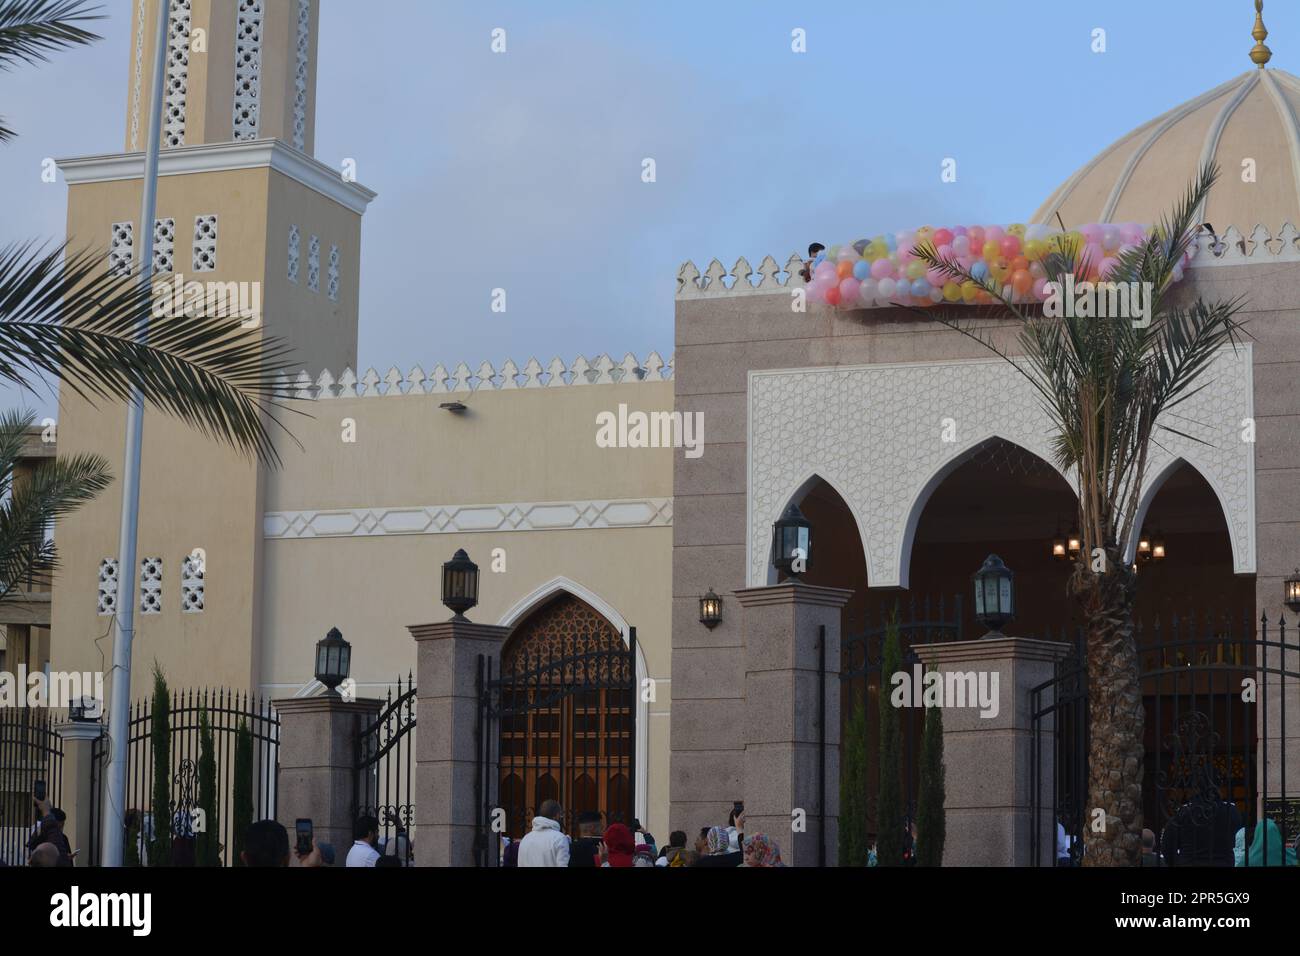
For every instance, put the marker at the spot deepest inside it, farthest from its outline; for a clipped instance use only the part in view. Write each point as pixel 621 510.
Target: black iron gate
pixel 558 723
pixel 226 711
pixel 1215 693
pixel 30 750
pixel 861 658
pixel 384 771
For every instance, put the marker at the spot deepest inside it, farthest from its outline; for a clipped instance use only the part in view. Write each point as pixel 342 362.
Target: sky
pixel 522 170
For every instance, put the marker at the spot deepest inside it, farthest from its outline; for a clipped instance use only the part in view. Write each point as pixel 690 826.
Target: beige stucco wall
pixel 516 446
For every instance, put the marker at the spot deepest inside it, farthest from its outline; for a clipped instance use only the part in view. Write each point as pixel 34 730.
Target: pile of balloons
pixel 885 271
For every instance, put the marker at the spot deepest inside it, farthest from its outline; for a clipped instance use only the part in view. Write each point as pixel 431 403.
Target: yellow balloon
pixel 991 250
pixel 1034 249
pixel 915 269
pixel 969 291
pixel 951 291
pixel 1017 229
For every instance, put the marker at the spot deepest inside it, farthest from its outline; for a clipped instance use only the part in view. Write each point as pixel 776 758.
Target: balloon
pixel 1022 282
pixel 976 234
pixel 942 237
pixel 844 269
pixel 969 292
pixel 993 234
pixel 886 288
pixel 849 291
pixel 920 289
pixel 882 268
pixel 833 295
pixel 951 291
pixel 861 269
pixel 936 277
pixel 868 292
pixel 990 250
pixel 1010 246
pixel 961 246
pixel 980 270
pixel 824 271
pixel 1039 289
pixel 915 269
pixel 1034 249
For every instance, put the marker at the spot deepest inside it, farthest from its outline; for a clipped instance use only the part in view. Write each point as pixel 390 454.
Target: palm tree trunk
pixel 1116 718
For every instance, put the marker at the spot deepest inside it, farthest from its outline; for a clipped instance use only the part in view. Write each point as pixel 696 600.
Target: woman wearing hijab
pixel 761 850
pixel 617 847
pixel 718 842
pixel 1267 848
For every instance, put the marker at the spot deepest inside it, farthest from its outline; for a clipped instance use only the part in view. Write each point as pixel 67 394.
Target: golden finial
pixel 1260 54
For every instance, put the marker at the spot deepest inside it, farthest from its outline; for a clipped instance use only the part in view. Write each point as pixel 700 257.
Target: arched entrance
pixel 561 716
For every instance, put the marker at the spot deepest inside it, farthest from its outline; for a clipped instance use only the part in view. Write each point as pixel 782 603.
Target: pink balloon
pixel 935 277
pixel 993 234
pixel 1091 232
pixel 961 245
pixel 1010 246
pixel 849 292
pixel 942 237
pixel 976 236
pixel 1040 292
pixel 824 271
pixel 881 269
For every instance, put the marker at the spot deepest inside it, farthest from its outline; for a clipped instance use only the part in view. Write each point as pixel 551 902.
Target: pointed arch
pixel 560 584
pixel 1155 483
pixel 800 492
pixel 928 487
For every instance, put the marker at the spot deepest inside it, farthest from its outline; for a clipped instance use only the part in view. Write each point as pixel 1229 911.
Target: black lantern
pixel 710 610
pixel 792 543
pixel 460 583
pixel 1291 592
pixel 1073 543
pixel 1059 552
pixel 995 595
pixel 84 710
pixel 1144 548
pixel 333 659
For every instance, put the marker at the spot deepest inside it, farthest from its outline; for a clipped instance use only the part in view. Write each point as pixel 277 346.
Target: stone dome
pixel 1143 175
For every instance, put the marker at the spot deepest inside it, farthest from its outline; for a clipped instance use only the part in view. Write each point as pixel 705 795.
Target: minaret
pixel 243 209
pixel 1259 53
pixel 237 70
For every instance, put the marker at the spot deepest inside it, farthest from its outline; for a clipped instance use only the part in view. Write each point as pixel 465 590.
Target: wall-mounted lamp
pixel 710 609
pixel 456 407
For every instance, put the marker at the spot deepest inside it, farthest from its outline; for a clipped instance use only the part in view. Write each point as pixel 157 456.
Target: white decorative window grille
pixel 295 250
pixel 334 273
pixel 119 249
pixel 108 586
pixel 313 264
pixel 192 574
pixel 139 75
pixel 178 68
pixel 300 76
pixel 151 585
pixel 164 245
pixel 205 243
pixel 248 68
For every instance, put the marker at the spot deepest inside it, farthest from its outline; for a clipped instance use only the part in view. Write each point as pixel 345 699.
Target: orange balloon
pixel 844 269
pixel 1022 281
pixel 1018 263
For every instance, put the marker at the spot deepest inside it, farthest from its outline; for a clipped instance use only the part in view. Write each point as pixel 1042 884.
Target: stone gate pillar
pixel 446 755
pixel 79 738
pixel 317 757
pixel 789 728
pixel 988 760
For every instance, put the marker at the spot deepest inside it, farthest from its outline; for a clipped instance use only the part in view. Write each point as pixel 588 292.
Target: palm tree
pixel 64 316
pixel 29 504
pixel 1110 387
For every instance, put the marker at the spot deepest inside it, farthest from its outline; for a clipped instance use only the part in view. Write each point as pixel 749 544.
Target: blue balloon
pixel 862 269
pixel 980 271
pixel 920 288
pixel 821 257
pixel 891 242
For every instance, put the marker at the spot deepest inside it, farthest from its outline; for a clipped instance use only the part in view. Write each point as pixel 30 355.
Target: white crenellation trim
pixel 469 519
pixel 372 384
pixel 1230 248
pixel 223 157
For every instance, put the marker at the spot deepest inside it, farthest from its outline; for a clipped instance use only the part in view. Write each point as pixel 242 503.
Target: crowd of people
pixel 619 845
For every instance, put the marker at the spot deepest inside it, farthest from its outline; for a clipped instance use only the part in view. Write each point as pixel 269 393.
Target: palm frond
pixel 30 30
pixel 64 316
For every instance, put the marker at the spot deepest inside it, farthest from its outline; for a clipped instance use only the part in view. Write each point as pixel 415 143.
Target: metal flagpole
pixel 124 618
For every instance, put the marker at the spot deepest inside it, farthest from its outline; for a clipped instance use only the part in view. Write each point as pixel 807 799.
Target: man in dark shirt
pixel 585 850
pixel 1202 832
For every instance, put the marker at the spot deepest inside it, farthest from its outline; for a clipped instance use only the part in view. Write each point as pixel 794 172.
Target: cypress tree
pixel 241 806
pixel 930 825
pixel 207 844
pixel 160 849
pixel 853 788
pixel 889 804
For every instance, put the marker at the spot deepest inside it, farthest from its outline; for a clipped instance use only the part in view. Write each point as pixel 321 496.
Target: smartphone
pixel 38 790
pixel 738 807
pixel 303 828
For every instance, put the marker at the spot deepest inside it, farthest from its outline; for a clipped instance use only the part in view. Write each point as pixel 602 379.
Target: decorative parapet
pixel 770 277
pixel 601 371
pixel 1230 248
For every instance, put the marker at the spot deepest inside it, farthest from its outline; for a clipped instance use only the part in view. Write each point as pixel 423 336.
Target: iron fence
pixel 385 771
pixel 226 710
pixel 31 749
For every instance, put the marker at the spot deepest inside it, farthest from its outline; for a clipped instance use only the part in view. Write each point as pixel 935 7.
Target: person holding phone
pixel 266 845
